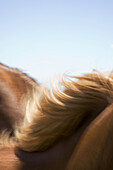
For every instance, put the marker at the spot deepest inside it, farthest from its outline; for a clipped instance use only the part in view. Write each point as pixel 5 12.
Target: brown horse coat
pixel 95 148
pixel 16 80
pixel 13 86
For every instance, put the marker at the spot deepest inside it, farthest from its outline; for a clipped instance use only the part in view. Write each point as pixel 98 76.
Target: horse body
pixel 9 110
pixel 14 84
pixel 72 127
pixel 16 80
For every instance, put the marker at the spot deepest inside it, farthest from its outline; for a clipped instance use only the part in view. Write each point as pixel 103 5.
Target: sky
pixel 45 38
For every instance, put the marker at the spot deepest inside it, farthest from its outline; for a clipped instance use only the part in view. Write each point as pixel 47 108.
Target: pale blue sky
pixel 47 37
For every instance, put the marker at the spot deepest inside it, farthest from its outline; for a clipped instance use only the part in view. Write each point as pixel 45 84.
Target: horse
pixel 67 129
pixel 14 84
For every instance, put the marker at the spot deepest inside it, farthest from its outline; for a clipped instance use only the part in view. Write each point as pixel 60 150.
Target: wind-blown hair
pixel 55 113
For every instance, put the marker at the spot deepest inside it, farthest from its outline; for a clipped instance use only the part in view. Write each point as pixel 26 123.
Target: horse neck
pixel 95 148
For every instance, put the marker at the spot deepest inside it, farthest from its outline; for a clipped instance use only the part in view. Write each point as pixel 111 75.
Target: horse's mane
pixel 56 113
pixel 52 114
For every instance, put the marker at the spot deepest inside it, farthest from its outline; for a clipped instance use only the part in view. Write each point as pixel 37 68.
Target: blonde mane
pixel 52 114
